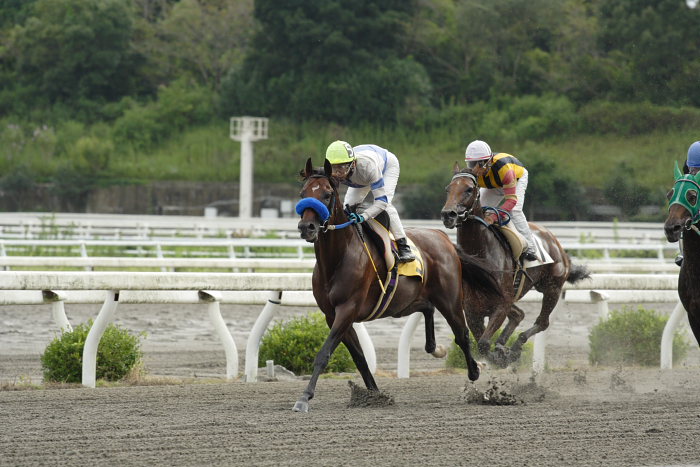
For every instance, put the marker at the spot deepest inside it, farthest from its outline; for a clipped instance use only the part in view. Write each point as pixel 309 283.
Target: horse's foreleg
pixel 694 321
pixel 515 317
pixel 321 362
pixel 495 321
pixel 352 342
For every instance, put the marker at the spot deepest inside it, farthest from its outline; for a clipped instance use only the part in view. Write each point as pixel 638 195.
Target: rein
pixel 324 212
pixel 468 213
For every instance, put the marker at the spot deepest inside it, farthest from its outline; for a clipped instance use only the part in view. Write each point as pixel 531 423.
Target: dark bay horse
pixel 347 286
pixel 463 210
pixel 682 223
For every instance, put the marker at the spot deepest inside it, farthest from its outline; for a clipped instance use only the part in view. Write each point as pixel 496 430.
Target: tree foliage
pixel 328 59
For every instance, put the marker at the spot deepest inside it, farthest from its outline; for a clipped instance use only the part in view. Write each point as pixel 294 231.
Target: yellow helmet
pixel 340 152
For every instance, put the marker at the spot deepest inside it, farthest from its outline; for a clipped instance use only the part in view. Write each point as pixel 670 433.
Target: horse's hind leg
pixel 437 351
pixel 352 342
pixel 550 298
pixel 457 321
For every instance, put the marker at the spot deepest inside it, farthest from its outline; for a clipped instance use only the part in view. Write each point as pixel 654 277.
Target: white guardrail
pixel 124 226
pixel 275 289
pixel 262 247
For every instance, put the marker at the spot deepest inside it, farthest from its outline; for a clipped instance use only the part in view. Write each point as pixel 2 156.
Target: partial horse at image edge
pixel 682 225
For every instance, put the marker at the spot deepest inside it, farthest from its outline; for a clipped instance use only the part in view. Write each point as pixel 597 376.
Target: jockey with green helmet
pixel 366 168
pixel 503 182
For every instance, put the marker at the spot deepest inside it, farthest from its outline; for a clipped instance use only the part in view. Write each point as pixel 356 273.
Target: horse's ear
pixel 308 170
pixel 456 168
pixel 327 168
pixel 677 171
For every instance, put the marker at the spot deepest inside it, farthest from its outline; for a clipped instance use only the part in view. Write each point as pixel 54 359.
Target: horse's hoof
pixel 301 406
pixel 500 357
pixel 439 352
pixel 474 375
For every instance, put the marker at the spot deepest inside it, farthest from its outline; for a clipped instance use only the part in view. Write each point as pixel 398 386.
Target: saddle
pixel 377 230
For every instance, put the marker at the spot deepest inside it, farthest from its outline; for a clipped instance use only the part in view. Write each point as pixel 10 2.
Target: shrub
pixel 455 356
pixel 631 336
pixel 295 343
pixel 118 353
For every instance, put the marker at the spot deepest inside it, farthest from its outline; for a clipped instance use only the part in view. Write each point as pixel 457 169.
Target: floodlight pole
pixel 245 198
pixel 246 130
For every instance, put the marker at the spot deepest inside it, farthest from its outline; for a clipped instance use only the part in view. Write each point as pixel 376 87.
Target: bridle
pixel 324 211
pixel 468 213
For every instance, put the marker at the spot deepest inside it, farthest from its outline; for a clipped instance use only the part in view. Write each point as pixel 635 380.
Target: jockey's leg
pixel 518 217
pixel 391 179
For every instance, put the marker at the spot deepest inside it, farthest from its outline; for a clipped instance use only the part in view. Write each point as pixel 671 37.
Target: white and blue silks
pixel 376 170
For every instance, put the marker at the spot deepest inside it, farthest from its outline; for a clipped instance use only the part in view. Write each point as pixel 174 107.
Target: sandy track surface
pixel 430 423
pixel 574 415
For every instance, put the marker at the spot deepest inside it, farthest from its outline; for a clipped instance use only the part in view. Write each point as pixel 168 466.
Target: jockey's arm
pixel 381 201
pixel 510 197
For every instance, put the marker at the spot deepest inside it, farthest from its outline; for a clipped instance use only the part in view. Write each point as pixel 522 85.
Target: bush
pixel 118 353
pixel 295 343
pixel 632 337
pixel 455 356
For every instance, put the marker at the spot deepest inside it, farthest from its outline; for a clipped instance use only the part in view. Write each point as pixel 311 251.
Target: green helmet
pixel 340 152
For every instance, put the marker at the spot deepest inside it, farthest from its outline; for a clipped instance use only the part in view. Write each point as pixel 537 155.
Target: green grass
pixel 206 153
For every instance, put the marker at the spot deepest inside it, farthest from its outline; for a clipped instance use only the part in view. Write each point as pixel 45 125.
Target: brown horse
pixel 682 224
pixel 347 286
pixel 463 210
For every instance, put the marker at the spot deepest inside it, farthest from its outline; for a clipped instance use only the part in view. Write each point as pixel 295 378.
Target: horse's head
pixel 462 197
pixel 683 204
pixel 319 198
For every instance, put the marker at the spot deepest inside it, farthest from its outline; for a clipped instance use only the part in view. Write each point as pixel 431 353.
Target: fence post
pixel 214 300
pixel 109 307
pixel 403 364
pixel 252 347
pixel 667 336
pixel 57 309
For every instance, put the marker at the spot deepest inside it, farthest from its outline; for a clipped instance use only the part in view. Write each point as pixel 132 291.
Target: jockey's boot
pixel 405 254
pixel 529 254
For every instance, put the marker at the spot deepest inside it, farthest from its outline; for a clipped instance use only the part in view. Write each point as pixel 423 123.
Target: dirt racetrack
pixel 573 415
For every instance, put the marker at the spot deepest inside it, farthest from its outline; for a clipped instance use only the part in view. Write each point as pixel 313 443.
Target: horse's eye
pixel 327 195
pixel 692 197
pixel 669 195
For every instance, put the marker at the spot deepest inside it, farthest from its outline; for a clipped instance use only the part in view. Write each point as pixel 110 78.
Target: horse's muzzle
pixel 673 231
pixel 308 230
pixel 449 218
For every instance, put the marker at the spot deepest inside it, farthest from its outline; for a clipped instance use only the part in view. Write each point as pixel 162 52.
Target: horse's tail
pixel 578 272
pixel 477 273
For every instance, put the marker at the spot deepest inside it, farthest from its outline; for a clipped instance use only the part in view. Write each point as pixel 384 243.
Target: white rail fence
pixel 275 289
pixel 119 226
pixel 624 265
pixel 261 248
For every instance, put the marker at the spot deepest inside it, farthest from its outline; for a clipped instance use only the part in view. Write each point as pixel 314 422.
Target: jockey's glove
pixel 356 218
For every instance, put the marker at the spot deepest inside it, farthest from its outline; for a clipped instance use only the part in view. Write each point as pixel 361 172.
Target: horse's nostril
pixel 311 227
pixel 452 214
